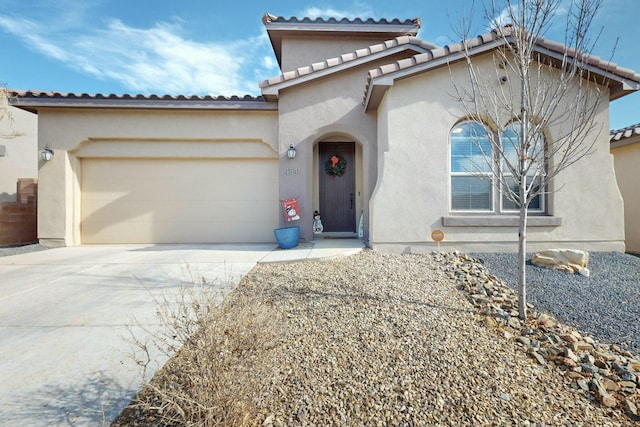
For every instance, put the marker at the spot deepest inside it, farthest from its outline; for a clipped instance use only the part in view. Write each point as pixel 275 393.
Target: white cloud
pixel 359 10
pixel 269 62
pixel 29 32
pixel 506 15
pixel 151 60
pixel 504 18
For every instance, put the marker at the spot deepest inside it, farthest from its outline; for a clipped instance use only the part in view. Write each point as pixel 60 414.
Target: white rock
pixel 569 260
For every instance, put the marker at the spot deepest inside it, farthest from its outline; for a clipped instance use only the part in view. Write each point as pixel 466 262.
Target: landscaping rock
pixel 607 372
pixel 569 260
pixel 380 339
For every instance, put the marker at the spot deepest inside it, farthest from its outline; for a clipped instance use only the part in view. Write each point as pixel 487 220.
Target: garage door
pixel 179 201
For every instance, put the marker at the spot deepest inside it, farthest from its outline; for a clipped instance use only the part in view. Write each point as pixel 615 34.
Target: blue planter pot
pixel 287 237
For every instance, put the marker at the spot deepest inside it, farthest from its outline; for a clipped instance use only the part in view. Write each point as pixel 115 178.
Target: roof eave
pixel 271 92
pixel 624 142
pixel 338 28
pixel 277 29
pixel 626 136
pixel 376 91
pixel 622 86
pixel 36 103
pixel 371 101
pixel 623 89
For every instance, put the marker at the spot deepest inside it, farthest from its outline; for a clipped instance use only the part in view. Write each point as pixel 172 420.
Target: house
pixel 625 147
pixel 18 150
pixel 18 174
pixel 367 108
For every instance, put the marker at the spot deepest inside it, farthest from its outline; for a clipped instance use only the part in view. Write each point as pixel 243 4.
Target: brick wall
pixel 18 220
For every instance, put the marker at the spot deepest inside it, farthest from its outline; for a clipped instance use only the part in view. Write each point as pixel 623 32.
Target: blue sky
pixel 197 47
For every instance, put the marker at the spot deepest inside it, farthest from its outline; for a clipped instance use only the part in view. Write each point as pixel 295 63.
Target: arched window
pixel 471 168
pixel 533 168
pixel 475 168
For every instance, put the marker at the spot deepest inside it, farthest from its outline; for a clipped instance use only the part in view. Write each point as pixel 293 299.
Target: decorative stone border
pixel 604 372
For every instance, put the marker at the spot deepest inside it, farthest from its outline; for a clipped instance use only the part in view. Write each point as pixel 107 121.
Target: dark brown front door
pixel 337 188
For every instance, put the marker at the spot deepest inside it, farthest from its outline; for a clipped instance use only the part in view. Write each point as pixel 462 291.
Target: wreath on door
pixel 335 165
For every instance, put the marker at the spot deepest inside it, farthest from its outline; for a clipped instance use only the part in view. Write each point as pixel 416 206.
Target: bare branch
pixel 540 109
pixel 7 130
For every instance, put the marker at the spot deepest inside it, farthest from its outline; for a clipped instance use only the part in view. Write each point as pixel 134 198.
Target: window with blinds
pixel 471 168
pixel 473 165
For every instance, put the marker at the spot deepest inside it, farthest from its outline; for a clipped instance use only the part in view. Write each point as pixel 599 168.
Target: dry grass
pixel 219 369
pixel 354 341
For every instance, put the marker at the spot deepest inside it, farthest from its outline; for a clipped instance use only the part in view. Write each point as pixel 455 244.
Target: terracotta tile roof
pixel 279 27
pixel 31 100
pixel 347 59
pixel 619 135
pixel 442 56
pixel 268 18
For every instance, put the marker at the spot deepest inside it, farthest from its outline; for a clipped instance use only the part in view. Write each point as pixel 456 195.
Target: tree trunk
pixel 522 254
pixel 522 183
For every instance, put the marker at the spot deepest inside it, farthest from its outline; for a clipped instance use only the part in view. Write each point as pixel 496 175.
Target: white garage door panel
pixel 179 190
pixel 179 201
pixel 229 187
pixel 175 232
pixel 167 211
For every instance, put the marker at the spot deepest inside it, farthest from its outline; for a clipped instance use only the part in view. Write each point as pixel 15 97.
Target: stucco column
pixel 294 176
pixel 56 201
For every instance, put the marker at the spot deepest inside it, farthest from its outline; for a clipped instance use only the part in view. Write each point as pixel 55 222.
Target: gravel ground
pixel 606 304
pixel 380 339
pixel 21 249
pixel 387 340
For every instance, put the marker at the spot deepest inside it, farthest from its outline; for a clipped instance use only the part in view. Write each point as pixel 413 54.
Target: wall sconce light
pixel 47 153
pixel 291 152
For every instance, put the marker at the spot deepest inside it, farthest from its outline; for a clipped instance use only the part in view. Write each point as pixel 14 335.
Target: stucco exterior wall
pixel 326 109
pixel 20 159
pixel 303 51
pixel 402 156
pixel 412 195
pixel 627 159
pixel 75 134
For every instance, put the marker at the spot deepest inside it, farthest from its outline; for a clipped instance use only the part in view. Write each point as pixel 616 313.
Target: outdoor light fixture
pixel 47 153
pixel 291 152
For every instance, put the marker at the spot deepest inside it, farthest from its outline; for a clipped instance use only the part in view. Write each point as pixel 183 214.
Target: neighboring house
pixel 18 176
pixel 18 151
pixel 367 107
pixel 625 147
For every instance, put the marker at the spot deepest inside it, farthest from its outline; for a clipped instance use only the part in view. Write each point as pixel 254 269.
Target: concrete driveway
pixel 66 316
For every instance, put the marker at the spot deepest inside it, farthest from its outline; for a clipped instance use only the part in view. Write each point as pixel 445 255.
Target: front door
pixel 337 186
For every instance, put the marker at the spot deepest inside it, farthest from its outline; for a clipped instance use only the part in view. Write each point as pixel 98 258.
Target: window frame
pixel 497 192
pixel 479 175
pixel 541 199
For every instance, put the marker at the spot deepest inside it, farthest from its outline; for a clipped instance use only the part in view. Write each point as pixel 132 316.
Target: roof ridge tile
pixel 498 34
pixel 127 96
pixel 626 132
pixel 269 18
pixel 346 57
pixel 502 34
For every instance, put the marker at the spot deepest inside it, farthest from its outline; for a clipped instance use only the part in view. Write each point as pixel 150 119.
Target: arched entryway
pixel 338 186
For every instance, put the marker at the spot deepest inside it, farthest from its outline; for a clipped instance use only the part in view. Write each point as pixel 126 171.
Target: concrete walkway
pixel 321 249
pixel 67 316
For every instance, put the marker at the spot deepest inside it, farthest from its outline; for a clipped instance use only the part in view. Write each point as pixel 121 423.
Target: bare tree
pixel 6 118
pixel 535 86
